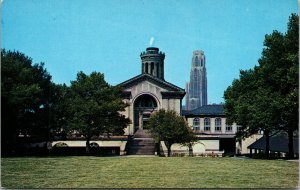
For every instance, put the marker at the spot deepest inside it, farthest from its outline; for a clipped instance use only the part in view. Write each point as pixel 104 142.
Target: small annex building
pixel 209 124
pixel 278 146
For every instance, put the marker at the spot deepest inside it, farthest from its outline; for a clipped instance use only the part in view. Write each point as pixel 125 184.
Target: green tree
pixel 252 106
pixel 171 128
pixel 25 96
pixel 266 98
pixel 59 113
pixel 94 107
pixel 280 57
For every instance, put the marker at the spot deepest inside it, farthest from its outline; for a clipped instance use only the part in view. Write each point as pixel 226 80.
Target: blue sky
pixel 107 36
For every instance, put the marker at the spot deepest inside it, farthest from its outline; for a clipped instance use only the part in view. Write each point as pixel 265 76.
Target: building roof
pixel 277 144
pixel 214 109
pixel 133 81
pixel 152 48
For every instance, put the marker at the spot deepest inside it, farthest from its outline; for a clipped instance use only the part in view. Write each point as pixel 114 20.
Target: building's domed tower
pixel 149 92
pixel 153 62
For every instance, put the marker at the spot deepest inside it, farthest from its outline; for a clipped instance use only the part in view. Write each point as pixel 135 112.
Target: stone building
pixel 196 89
pixel 214 135
pixel 145 94
pixel 209 124
pixel 149 91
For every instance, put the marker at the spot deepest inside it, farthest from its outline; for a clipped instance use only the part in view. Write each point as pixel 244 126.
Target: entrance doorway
pixel 144 106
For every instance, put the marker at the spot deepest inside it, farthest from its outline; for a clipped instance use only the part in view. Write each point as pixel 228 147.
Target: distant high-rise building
pixel 196 89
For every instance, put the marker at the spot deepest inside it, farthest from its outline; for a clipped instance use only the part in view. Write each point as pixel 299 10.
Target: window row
pixel 218 124
pixel 151 67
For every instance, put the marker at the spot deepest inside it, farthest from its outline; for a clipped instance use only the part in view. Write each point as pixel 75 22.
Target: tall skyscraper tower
pixel 196 89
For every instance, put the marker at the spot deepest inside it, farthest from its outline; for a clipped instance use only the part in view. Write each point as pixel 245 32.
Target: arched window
pixel 145 101
pixel 218 124
pixel 152 68
pixel 94 145
pixel 157 69
pixel 146 68
pixel 196 124
pixel 60 144
pixel 196 61
pixel 206 124
pixel 195 73
pixel 143 67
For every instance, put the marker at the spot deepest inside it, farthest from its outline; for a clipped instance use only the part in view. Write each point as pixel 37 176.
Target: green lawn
pixel 142 172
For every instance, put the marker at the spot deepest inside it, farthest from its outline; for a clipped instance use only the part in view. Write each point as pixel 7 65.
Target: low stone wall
pixel 101 144
pixel 203 148
pixel 79 144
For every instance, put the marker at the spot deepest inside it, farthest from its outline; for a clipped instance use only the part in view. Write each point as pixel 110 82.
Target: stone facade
pixel 197 87
pixel 242 145
pixel 214 136
pixel 149 91
pixel 121 144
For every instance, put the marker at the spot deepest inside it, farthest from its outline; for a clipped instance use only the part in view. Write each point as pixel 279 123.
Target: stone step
pixel 145 140
pixel 142 153
pixel 141 146
pixel 144 148
pixel 141 143
pixel 142 133
pixel 150 151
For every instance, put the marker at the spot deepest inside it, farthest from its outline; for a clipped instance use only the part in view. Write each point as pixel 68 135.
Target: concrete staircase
pixel 141 144
pixel 142 133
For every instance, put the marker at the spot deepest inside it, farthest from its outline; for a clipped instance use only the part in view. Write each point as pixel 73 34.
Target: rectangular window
pixel 218 128
pixel 218 124
pixel 206 128
pixel 196 128
pixel 228 128
pixel 206 124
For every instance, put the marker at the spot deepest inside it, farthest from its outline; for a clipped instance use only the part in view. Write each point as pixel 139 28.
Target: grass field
pixel 143 172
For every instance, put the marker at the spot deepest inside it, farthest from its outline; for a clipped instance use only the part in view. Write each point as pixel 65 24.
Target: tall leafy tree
pixel 25 92
pixel 171 128
pixel 58 113
pixel 266 98
pixel 94 107
pixel 280 57
pixel 252 106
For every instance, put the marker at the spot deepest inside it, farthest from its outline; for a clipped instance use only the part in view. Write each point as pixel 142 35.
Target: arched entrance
pixel 144 106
